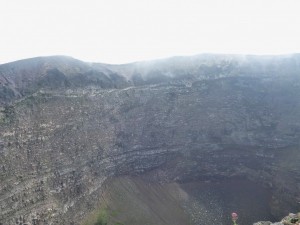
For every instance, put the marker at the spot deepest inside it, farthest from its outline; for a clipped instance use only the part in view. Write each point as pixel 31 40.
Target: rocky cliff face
pixel 67 126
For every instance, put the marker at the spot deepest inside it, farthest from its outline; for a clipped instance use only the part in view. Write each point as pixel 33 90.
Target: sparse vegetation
pixel 7 114
pixel 6 94
pixel 75 148
pixel 102 218
pixel 98 217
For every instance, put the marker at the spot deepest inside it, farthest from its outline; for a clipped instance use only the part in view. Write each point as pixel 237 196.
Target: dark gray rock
pixel 67 126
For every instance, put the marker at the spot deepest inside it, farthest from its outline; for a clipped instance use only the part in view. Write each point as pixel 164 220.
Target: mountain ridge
pixel 29 75
pixel 68 127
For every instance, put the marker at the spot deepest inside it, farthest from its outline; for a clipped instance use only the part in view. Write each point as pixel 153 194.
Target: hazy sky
pixel 120 31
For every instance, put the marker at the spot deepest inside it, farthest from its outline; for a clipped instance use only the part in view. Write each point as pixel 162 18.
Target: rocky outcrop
pixel 267 223
pixel 287 218
pixel 67 126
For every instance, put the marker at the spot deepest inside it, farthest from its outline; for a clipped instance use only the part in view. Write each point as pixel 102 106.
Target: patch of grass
pixel 99 217
pixel 102 218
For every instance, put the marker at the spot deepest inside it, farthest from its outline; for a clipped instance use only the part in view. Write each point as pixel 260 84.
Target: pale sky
pixel 121 31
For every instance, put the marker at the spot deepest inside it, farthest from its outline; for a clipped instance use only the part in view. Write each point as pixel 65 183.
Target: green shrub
pixel 102 218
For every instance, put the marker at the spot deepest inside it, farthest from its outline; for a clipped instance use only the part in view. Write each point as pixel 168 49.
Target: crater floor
pixel 135 201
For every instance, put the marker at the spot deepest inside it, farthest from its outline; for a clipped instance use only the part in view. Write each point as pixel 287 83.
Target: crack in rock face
pixel 67 127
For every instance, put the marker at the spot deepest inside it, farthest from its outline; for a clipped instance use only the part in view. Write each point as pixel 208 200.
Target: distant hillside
pixel 62 72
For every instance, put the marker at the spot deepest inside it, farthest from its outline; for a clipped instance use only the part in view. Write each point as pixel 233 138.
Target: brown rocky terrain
pixel 69 127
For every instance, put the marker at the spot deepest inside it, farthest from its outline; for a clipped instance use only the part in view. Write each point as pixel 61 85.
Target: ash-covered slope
pixel 60 139
pixel 207 66
pixel 24 77
pixel 27 76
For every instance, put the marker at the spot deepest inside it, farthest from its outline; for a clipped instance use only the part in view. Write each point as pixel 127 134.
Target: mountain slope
pixel 27 76
pixel 69 126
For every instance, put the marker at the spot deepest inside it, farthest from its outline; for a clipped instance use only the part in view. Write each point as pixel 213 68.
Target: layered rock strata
pixel 67 126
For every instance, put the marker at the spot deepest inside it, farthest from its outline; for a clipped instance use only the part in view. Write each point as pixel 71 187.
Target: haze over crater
pixel 118 31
